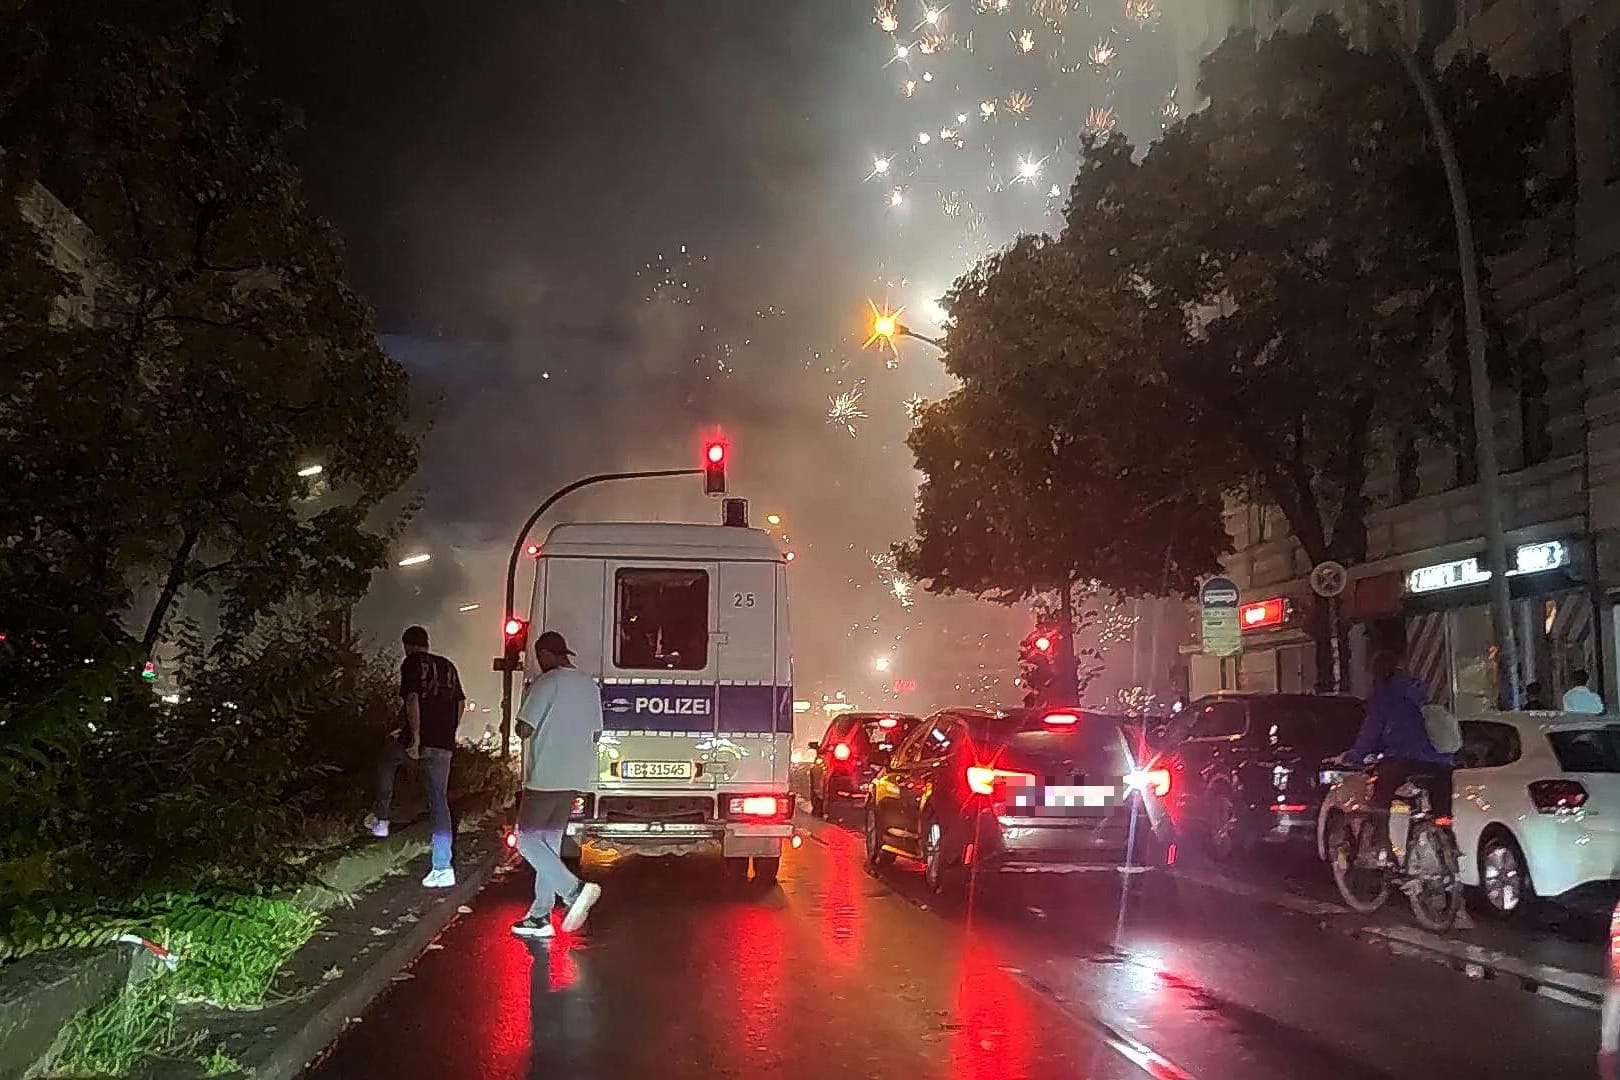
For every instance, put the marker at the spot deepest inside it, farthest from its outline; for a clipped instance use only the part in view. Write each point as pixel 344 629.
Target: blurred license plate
pixel 656 770
pixel 1057 797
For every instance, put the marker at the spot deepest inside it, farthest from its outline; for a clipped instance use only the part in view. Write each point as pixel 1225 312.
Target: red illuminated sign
pixel 905 686
pixel 1263 614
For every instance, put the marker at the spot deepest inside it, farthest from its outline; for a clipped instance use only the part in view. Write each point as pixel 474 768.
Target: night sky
pixel 595 229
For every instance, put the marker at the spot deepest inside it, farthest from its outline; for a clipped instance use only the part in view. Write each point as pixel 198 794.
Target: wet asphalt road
pixel 839 973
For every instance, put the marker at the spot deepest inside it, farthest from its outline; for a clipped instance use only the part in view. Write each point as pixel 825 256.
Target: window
pixel 937 739
pixel 662 620
pixel 910 749
pixel 1596 750
pixel 1609 70
pixel 1436 21
pixel 1488 745
pixel 1408 482
pixel 1219 720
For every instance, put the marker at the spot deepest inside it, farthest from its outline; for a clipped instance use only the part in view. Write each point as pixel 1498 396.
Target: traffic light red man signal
pixel 714 467
pixel 515 636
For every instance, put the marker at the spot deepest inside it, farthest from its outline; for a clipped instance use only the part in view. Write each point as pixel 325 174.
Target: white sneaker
pixel 589 894
pixel 376 826
pixel 532 927
pixel 439 879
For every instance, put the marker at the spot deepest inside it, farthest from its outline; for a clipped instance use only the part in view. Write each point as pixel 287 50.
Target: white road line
pixel 1133 1050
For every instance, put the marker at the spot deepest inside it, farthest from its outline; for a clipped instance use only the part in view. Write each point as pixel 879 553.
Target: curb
pixel 296 1048
pixel 1576 988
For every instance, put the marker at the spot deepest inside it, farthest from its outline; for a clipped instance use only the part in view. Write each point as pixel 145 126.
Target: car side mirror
pixel 815 746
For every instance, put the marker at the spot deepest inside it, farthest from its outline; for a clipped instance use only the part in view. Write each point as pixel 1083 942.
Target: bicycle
pixel 1421 857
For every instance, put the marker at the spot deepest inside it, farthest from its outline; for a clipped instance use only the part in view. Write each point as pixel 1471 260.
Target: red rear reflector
pixel 841 752
pixel 1289 808
pixel 1061 719
pixel 1551 796
pixel 1443 822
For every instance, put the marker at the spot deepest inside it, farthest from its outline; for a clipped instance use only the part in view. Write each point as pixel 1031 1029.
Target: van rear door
pixel 753 710
pixel 659 669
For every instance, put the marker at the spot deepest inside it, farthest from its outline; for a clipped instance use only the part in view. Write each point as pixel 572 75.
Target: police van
pixel 685 628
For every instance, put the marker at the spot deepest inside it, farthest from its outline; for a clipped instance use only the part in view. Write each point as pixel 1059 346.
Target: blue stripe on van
pixel 692 707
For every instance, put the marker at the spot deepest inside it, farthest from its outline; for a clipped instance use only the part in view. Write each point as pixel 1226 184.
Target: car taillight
pixel 759 806
pixel 1551 796
pixel 1154 780
pixel 1060 719
pixel 888 722
pixel 982 779
pixel 841 751
pixel 511 839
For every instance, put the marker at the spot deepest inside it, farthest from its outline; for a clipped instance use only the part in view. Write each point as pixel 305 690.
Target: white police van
pixel 686 629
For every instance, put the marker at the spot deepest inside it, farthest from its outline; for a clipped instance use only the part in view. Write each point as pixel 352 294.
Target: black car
pixel 1246 766
pixel 855 748
pixel 1030 791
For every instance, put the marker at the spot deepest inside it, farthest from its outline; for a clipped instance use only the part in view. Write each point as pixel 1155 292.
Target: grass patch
pixel 230 947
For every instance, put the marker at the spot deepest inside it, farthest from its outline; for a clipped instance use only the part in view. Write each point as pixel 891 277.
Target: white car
pixel 1536 804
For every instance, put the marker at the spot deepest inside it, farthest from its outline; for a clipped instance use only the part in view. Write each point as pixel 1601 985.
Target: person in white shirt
pixel 1581 698
pixel 559 723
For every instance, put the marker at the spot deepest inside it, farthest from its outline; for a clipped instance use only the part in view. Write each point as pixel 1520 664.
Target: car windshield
pixel 1027 727
pixel 1589 750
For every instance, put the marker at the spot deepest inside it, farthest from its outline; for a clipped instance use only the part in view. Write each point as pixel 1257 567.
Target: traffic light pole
pixel 517 551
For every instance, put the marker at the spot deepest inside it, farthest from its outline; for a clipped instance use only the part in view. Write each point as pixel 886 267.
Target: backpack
pixel 1444 731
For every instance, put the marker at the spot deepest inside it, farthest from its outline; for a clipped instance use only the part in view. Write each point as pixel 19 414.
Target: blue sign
pixel 1218 592
pixel 697 707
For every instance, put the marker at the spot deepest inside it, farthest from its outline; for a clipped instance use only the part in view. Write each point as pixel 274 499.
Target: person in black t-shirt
pixel 431 704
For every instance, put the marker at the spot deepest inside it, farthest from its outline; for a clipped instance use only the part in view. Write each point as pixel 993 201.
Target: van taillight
pixel 581 807
pixel 1551 796
pixel 759 806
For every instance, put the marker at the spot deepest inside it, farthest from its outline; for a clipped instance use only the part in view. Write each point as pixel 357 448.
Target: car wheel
pixel 1222 830
pixel 876 854
pixel 1504 875
pixel 765 869
pixel 943 877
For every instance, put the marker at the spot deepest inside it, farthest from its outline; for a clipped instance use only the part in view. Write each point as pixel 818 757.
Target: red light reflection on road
pixel 991 1019
pixel 561 970
pixel 753 937
pixel 841 910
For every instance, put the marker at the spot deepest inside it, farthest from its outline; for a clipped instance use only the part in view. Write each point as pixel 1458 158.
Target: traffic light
pixel 149 670
pixel 1035 665
pixel 515 634
pixel 714 467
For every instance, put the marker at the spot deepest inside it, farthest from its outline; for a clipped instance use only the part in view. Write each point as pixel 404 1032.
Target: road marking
pixel 1133 1050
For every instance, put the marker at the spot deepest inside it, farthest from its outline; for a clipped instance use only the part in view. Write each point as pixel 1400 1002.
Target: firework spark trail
pixel 844 409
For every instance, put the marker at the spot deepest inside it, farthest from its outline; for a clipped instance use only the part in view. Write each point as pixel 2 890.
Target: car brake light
pixel 1154 780
pixel 982 779
pixel 887 722
pixel 841 751
pixel 511 840
pixel 759 806
pixel 1061 719
pixel 1551 796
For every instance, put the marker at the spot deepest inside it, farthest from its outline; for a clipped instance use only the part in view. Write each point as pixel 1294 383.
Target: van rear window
pixel 661 620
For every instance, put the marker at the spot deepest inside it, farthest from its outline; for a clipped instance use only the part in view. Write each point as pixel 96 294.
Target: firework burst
pixel 1100 120
pixel 844 410
pixel 914 406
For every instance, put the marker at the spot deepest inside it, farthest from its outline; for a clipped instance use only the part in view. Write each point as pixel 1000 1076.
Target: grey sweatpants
pixel 542 824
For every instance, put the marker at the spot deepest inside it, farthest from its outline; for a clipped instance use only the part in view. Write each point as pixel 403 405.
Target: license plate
pixel 657 770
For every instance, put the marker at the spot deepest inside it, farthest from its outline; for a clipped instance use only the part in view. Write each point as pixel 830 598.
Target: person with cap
pixel 431 704
pixel 560 722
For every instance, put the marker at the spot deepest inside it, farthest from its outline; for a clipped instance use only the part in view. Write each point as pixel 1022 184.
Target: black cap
pixel 552 642
pixel 415 636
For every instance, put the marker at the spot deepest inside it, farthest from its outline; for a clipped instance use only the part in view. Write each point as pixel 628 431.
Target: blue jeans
pixel 434 765
pixel 542 824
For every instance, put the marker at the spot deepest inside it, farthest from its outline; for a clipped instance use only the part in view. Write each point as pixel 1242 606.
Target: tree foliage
pixel 1245 310
pixel 158 448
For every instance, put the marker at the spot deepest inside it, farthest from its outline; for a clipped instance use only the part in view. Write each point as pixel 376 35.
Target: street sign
pixel 1328 579
pixel 1221 628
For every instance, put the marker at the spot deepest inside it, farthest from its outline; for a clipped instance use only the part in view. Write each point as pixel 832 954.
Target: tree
pixel 1019 500
pixel 163 446
pixel 1279 274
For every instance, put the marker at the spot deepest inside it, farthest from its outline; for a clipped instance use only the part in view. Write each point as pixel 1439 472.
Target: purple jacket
pixel 1394 726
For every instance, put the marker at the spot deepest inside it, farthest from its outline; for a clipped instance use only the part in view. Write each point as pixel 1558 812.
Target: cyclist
pixel 1395 731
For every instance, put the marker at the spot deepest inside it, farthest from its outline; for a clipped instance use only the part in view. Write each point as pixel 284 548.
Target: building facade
pixel 1422 586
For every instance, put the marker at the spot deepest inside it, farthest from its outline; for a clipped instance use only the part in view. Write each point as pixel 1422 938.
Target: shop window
pixel 1473 661
pixel 1535 418
pixel 1408 483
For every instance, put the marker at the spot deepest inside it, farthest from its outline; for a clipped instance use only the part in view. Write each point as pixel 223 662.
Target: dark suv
pixel 1031 791
pixel 1245 767
pixel 855 747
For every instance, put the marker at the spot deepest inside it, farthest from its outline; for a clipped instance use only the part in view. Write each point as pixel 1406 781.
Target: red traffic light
pixel 514 627
pixel 1043 644
pixel 714 467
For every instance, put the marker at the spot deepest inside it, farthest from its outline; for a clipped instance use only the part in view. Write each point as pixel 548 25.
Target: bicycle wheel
pixel 1364 888
pixel 1434 884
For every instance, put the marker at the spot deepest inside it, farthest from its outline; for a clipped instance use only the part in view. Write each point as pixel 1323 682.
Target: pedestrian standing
pixel 560 722
pixel 1581 698
pixel 1535 698
pixel 431 704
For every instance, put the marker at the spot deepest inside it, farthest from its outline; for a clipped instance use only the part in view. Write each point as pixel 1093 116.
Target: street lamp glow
pixel 415 560
pixel 311 470
pixel 464 608
pixel 882 663
pixel 880 166
pixel 773 519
